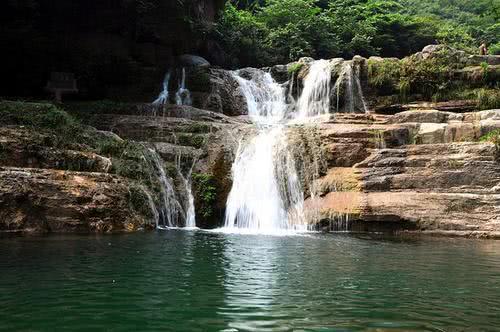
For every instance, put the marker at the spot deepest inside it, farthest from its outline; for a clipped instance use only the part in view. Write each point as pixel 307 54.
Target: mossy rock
pixel 198 79
pixel 190 139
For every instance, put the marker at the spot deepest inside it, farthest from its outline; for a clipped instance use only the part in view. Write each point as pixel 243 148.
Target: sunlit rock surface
pixel 420 170
pixel 48 200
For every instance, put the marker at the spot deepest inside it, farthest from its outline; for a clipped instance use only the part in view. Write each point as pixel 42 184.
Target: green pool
pixel 202 281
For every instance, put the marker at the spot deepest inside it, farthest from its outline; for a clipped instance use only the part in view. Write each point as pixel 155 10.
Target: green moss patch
pixel 295 68
pixel 205 191
pixel 492 136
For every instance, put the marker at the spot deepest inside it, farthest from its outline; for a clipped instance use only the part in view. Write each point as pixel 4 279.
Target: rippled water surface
pixel 199 281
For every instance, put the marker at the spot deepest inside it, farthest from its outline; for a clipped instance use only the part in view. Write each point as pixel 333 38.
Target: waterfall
pixel 183 95
pixel 266 196
pixel 265 98
pixel 315 97
pixel 163 97
pixel 348 85
pixel 189 208
pixel 170 209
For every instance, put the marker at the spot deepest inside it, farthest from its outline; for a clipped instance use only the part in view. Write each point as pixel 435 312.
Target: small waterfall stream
pixel 348 85
pixel 164 95
pixel 170 208
pixel 183 95
pixel 189 208
pixel 315 97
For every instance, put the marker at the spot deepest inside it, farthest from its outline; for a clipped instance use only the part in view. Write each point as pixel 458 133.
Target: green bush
pixel 432 78
pixel 37 115
pixel 494 49
pixel 492 136
pixel 384 75
pixel 488 98
pixel 46 117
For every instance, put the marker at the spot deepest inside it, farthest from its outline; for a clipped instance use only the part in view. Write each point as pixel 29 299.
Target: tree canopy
pixel 263 32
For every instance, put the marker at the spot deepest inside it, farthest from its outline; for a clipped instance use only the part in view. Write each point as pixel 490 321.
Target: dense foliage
pixel 278 31
pixel 441 77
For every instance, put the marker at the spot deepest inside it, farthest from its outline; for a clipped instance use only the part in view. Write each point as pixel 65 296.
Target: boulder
pixel 477 60
pixel 279 73
pixel 425 116
pixel 223 95
pixel 189 61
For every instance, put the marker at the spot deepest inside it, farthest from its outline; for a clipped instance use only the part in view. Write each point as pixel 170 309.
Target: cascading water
pixel 348 85
pixel 266 196
pixel 170 209
pixel 189 208
pixel 163 97
pixel 315 97
pixel 183 95
pixel 265 98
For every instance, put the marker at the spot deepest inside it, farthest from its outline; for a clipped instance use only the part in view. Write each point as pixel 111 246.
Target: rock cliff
pixel 422 160
pixel 417 170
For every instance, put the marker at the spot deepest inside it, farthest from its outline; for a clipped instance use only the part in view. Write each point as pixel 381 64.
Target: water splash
pixel 164 95
pixel 183 95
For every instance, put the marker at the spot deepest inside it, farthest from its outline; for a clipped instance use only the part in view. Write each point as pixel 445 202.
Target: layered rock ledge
pixel 418 170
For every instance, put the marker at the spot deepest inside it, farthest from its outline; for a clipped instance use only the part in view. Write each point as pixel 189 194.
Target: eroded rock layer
pixel 418 170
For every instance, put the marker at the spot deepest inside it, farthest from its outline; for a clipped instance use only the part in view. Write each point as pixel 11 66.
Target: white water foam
pixel 315 98
pixel 266 197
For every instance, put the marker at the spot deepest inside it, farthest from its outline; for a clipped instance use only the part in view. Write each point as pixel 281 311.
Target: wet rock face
pixel 201 140
pixel 50 185
pixel 221 94
pixel 46 200
pixel 436 177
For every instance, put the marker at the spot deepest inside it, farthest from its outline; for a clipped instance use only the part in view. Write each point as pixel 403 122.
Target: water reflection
pixel 200 281
pixel 251 281
pixel 303 282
